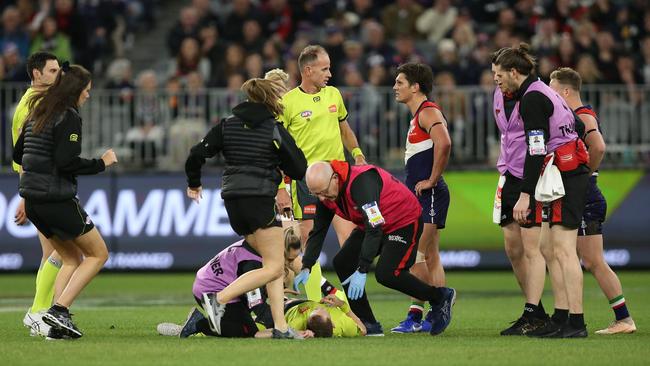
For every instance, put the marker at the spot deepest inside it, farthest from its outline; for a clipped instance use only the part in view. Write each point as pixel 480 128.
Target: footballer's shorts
pixel 509 197
pixel 435 204
pixel 595 210
pixel 247 214
pixel 568 210
pixel 65 219
pixel 304 204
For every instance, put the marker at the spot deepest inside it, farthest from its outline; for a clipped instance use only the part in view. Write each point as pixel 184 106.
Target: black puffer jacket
pixel 255 147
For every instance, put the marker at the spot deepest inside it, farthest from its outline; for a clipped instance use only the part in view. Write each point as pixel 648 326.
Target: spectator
pixel 242 10
pixel 191 124
pixel 145 138
pixel 253 41
pixel 51 40
pixel 334 39
pixel 194 102
pixel 623 29
pixel 233 63
pixel 600 12
pixel 508 20
pixel 207 17
pixel 354 61
pixel 279 21
pixel 584 36
pixel 565 52
pixel 14 66
pixel 644 64
pixel 71 23
pixel 189 60
pixel 502 38
pixel 588 70
pixel 254 66
pixel 212 48
pixel 271 55
pixel 453 103
pixel 359 13
pixel 565 14
pixel 120 79
pixel 400 17
pixel 376 44
pixel 187 27
pixel 13 32
pixel 446 59
pixel 546 65
pixel 464 37
pixel 546 39
pixel 606 58
pixel 628 75
pixel 406 52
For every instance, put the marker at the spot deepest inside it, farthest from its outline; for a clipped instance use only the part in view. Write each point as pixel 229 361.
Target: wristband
pixel 356 152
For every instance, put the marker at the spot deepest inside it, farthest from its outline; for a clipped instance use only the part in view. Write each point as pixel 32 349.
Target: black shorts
pixel 567 211
pixel 248 214
pixel 64 219
pixel 237 321
pixel 304 204
pixel 509 197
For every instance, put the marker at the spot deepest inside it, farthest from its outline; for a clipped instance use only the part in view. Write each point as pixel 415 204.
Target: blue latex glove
pixel 301 278
pixel 357 284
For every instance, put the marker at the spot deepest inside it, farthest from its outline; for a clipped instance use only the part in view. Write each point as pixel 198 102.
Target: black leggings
pixel 396 255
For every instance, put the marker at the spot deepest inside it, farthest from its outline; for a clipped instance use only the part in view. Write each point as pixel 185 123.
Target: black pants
pixel 237 322
pixel 396 255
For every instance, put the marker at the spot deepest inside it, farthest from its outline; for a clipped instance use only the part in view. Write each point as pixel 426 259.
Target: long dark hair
pixel 53 101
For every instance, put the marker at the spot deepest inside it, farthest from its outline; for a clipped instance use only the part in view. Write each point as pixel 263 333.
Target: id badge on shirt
pixel 254 298
pixel 374 215
pixel 536 143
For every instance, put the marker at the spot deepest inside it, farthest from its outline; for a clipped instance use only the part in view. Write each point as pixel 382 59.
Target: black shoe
pixel 548 330
pixel 374 329
pixel 522 326
pixel 568 331
pixel 62 320
pixel 56 334
pixel 191 324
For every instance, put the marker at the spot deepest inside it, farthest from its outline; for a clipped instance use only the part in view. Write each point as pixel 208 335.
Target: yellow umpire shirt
pixel 19 119
pixel 313 121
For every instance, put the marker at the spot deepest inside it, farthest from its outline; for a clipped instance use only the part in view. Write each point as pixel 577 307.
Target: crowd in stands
pixel 85 32
pixel 221 43
pixel 607 41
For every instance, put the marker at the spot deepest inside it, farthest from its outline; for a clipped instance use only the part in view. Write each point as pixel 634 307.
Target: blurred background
pixel 164 72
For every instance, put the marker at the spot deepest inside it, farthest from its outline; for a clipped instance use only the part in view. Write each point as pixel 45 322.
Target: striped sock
pixel 416 309
pixel 619 307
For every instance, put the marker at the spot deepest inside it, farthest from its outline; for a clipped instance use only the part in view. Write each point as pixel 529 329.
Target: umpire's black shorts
pixel 64 219
pixel 247 214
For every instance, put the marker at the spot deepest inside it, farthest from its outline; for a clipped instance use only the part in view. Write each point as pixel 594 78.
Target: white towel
pixel 549 186
pixel 496 210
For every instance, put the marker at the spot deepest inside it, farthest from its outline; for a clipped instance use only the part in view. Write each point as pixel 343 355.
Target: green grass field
pixel 119 313
pixel 469 221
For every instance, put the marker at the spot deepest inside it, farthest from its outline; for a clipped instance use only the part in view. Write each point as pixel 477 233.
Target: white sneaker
pixel 36 325
pixel 214 310
pixel 169 329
